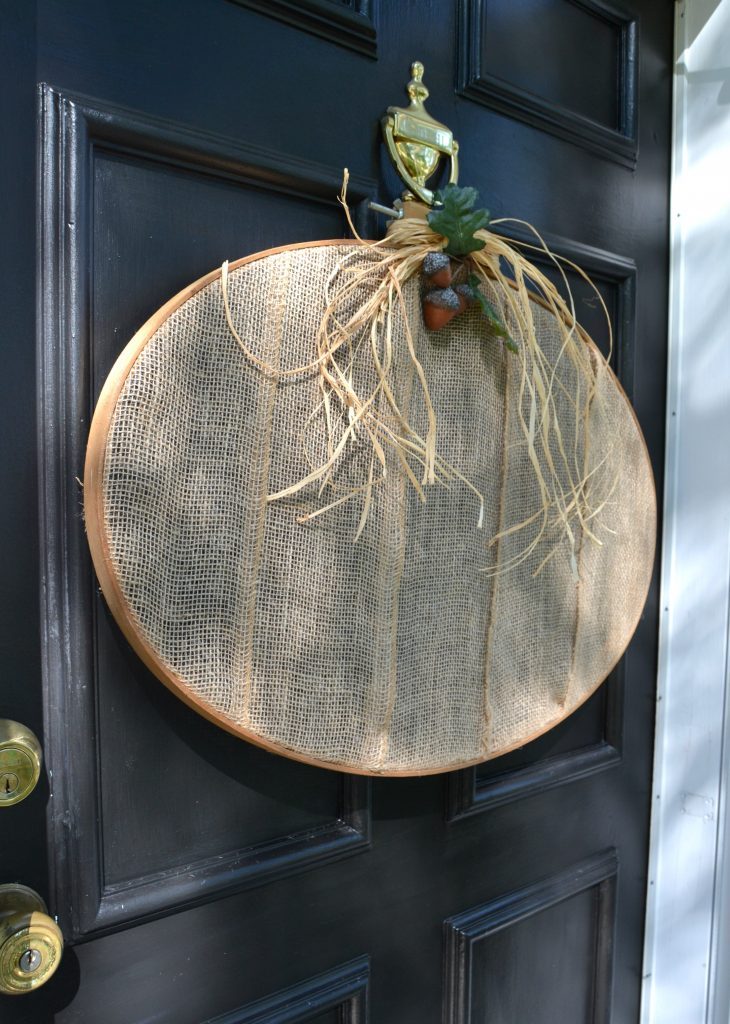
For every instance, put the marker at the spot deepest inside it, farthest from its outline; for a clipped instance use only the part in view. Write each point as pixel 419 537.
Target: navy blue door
pixel 197 878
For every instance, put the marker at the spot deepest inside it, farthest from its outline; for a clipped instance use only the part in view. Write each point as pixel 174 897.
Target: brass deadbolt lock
pixel 20 762
pixel 31 943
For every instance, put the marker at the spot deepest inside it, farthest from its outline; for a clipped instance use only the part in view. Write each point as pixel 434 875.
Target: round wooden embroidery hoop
pixel 103 564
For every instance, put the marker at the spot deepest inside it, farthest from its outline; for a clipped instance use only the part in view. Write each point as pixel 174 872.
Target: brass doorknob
pixel 31 943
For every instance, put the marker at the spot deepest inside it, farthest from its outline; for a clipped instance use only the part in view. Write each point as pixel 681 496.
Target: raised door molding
pixel 345 22
pixel 344 988
pixel 476 82
pixel 467 990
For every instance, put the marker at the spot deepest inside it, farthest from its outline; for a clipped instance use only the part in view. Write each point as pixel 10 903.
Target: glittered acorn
pixel 440 305
pixel 437 268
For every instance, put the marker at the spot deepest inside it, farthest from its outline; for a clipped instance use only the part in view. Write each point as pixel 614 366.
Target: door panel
pixel 581 81
pixel 592 743
pixel 583 86
pixel 339 996
pixel 346 22
pixel 132 750
pixel 541 953
pixel 198 878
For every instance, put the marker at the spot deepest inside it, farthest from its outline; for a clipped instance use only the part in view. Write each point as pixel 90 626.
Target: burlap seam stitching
pixel 487 711
pixel 565 692
pixel 384 739
pixel 265 470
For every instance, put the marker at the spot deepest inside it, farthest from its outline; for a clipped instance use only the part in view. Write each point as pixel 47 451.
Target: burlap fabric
pixel 395 653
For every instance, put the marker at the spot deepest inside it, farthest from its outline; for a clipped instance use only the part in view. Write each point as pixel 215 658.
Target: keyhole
pixel 8 784
pixel 30 961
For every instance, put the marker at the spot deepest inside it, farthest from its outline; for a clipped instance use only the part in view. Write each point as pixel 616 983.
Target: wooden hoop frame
pixel 101 557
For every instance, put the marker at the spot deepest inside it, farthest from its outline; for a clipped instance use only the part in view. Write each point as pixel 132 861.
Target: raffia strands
pixel 568 498
pixel 554 399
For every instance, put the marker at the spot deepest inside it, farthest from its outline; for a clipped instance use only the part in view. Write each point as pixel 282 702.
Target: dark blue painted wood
pixel 218 130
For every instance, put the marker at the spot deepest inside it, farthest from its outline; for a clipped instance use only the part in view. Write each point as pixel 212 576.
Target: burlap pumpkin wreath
pixel 359 541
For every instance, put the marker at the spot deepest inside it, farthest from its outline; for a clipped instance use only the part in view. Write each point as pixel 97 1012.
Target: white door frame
pixel 687 947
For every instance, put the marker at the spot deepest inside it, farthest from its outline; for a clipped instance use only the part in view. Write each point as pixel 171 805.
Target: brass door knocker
pixel 416 141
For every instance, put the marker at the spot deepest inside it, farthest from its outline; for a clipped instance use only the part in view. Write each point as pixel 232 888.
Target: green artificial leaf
pixel 490 313
pixel 457 220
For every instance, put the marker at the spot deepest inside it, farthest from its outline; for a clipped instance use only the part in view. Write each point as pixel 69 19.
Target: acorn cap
pixel 444 298
pixel 433 262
